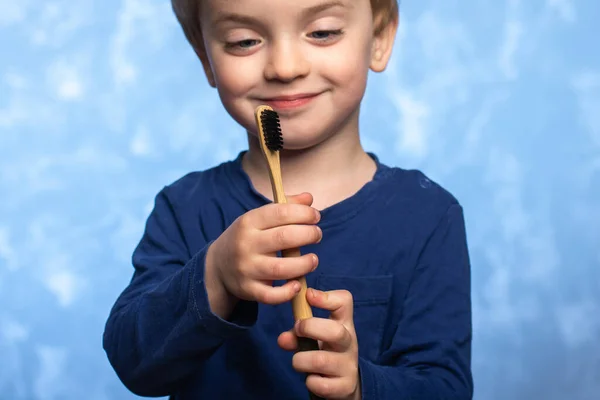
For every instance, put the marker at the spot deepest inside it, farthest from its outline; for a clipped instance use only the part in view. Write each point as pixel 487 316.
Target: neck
pixel 331 171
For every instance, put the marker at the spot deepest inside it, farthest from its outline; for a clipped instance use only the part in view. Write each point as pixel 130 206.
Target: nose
pixel 286 61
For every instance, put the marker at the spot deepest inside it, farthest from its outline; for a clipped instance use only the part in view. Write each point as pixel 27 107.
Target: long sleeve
pixel 430 355
pixel 161 328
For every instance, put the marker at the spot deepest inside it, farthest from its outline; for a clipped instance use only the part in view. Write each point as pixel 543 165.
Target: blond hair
pixel 188 15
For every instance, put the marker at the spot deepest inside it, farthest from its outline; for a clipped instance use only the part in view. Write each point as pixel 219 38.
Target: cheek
pixel 349 80
pixel 234 77
pixel 346 67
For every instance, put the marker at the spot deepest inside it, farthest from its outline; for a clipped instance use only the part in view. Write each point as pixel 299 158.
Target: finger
pixel 301 198
pixel 288 237
pixel 339 302
pixel 331 332
pixel 332 387
pixel 288 341
pixel 280 268
pixel 273 295
pixel 273 215
pixel 321 362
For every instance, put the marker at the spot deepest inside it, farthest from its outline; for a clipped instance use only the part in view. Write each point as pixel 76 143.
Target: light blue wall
pixel 103 102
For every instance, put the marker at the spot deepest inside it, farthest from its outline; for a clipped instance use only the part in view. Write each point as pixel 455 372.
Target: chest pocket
pixel 371 295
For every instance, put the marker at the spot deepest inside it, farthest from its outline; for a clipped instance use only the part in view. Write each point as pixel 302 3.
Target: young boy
pixel 207 314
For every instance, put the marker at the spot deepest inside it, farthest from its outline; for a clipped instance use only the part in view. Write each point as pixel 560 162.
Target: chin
pixel 300 143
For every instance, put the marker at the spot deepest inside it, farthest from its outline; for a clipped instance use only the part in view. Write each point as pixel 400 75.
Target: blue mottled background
pixel 103 102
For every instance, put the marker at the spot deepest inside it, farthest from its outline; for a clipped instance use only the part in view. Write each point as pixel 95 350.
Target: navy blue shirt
pixel 398 245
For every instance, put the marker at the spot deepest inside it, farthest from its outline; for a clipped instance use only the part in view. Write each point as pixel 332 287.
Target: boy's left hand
pixel 333 370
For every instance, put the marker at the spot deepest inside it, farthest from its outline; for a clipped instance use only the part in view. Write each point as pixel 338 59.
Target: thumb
pixel 339 302
pixel 302 198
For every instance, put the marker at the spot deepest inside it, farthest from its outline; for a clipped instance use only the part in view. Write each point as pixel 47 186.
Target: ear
pixel 383 42
pixel 210 76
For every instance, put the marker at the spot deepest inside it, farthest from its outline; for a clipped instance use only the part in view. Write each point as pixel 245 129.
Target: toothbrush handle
pixel 308 344
pixel 300 305
pixel 302 310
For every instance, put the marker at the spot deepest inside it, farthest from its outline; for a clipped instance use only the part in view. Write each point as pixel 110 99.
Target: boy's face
pixel 307 59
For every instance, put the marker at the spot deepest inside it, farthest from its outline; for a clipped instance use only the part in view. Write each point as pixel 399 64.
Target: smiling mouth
pixel 290 102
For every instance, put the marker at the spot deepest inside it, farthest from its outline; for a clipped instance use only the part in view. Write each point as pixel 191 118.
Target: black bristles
pixel 272 130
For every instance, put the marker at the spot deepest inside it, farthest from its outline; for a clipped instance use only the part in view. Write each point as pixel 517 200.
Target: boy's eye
pixel 243 44
pixel 325 35
pixel 322 36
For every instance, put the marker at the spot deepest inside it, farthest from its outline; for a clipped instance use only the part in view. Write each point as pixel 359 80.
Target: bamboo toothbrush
pixel 271 141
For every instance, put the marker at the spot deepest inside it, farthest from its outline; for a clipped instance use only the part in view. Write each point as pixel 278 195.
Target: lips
pixel 286 102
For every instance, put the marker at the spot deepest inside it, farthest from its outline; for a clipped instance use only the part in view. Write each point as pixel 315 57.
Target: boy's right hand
pixel 242 263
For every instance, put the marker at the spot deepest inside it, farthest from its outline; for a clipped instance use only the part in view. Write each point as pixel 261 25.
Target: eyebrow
pixel 324 6
pixel 245 19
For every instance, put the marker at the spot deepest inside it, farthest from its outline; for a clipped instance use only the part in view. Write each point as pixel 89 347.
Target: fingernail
pixel 320 234
pixel 315 262
pixel 317 215
pixel 297 287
